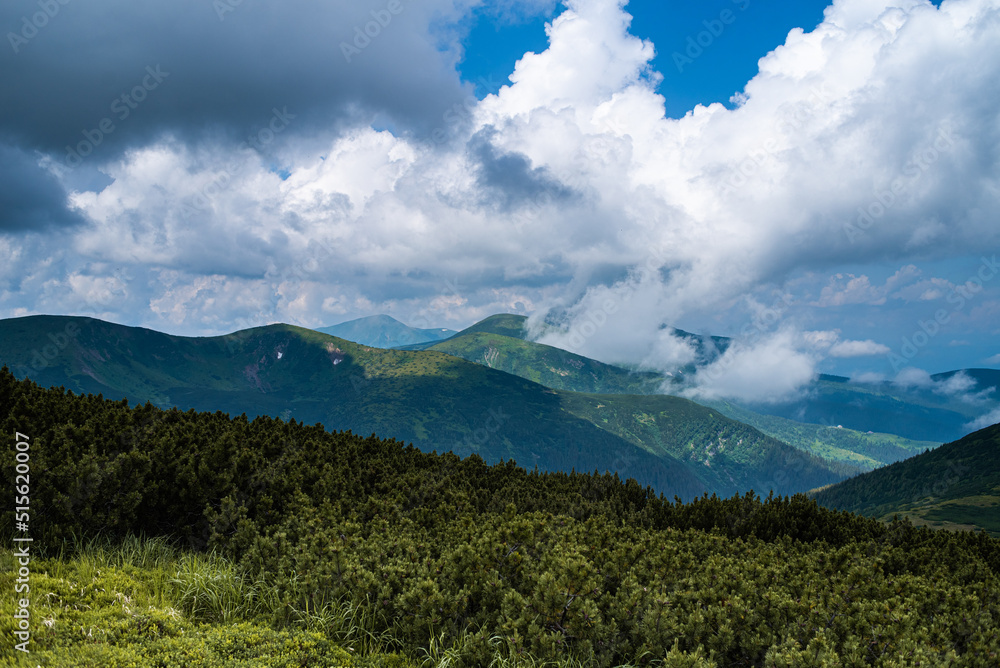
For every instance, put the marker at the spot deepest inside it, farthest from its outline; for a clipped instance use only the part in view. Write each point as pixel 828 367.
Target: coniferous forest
pixel 342 549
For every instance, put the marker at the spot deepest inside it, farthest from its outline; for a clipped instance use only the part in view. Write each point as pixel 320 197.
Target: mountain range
pixel 500 342
pixel 488 390
pixel 928 413
pixel 435 400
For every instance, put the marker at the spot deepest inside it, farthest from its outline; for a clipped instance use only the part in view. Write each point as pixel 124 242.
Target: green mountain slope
pixel 725 454
pixel 955 486
pixel 435 400
pixel 863 450
pixel 382 331
pixel 919 415
pixel 552 367
pixel 504 324
pixel 486 343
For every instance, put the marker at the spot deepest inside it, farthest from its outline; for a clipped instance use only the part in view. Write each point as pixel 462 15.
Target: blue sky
pixel 722 68
pixel 207 167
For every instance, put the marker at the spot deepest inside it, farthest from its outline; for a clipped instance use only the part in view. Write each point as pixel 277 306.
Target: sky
pixel 820 182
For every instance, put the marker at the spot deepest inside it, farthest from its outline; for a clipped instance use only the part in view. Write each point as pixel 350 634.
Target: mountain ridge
pixel 490 343
pixel 954 486
pixel 434 400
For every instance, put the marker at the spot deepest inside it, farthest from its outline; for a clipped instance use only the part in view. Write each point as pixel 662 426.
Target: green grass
pixel 144 602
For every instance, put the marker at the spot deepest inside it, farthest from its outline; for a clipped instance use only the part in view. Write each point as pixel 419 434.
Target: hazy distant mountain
pixel 928 413
pixel 504 324
pixel 955 486
pixel 434 400
pixel 382 331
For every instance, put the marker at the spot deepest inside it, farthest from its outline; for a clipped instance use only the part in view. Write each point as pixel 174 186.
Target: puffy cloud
pixel 858 348
pixel 912 377
pixel 959 383
pixel 846 289
pixel 963 387
pixel 772 369
pixel 960 386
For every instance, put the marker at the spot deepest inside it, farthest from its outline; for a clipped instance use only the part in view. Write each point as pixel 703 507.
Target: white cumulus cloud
pixel 858 348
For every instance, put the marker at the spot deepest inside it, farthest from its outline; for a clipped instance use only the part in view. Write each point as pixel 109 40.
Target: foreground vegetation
pixel 302 547
pixel 142 602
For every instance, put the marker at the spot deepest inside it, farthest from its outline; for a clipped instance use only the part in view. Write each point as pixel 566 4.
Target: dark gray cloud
pixel 188 67
pixel 31 199
pixel 509 178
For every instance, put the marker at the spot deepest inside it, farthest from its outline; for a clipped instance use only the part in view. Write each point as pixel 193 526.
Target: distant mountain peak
pixel 384 331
